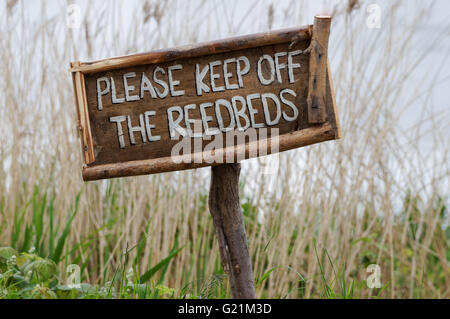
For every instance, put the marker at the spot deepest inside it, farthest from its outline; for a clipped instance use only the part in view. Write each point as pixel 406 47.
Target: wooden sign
pixel 174 109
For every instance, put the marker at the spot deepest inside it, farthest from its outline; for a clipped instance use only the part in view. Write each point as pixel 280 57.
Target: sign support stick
pixel 226 212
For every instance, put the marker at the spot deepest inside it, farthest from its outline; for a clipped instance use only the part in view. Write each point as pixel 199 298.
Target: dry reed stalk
pixel 348 197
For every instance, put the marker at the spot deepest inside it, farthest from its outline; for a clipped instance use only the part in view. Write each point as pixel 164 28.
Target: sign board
pixel 204 104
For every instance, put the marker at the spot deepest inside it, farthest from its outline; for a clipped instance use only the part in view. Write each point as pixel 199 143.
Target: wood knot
pixel 237 269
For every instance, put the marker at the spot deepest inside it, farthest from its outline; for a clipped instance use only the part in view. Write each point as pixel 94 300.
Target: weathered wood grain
pixel 317 69
pixel 104 132
pixel 225 209
pixel 196 50
pixel 83 127
pixel 106 157
pixel 310 135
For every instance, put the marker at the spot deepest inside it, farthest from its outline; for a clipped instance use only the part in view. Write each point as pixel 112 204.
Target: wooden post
pixel 317 70
pixel 226 212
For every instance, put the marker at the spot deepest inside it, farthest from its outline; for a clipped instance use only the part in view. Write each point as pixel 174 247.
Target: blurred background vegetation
pixel 379 195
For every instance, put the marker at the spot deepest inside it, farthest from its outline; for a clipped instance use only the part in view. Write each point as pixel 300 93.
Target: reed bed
pixel 377 196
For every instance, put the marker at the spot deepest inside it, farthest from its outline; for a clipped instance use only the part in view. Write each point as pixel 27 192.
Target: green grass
pixel 43 254
pixel 18 281
pixel 26 275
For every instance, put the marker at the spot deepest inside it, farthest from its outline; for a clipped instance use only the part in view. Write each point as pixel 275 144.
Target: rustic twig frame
pixel 322 127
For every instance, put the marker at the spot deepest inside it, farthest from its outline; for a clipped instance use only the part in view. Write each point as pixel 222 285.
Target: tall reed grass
pixel 377 196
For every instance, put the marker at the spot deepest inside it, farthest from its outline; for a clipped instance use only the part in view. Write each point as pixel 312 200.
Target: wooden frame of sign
pixel 133 110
